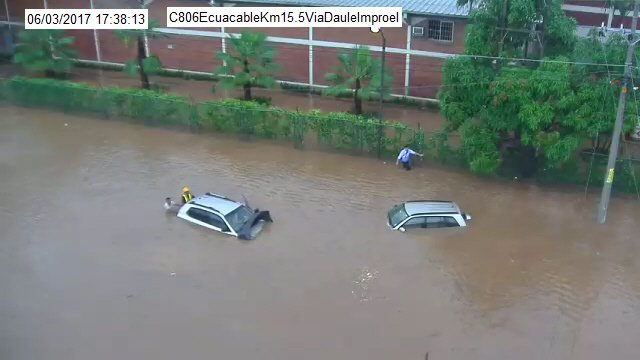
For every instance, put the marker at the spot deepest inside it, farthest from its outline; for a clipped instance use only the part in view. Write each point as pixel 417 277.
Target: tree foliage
pixel 144 64
pixel 361 74
pixel 249 63
pixel 46 51
pixel 622 7
pixel 538 24
pixel 538 113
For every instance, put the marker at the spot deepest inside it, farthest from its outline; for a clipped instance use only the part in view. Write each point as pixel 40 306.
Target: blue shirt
pixel 405 155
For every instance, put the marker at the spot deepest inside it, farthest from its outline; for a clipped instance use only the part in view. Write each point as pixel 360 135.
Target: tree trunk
pixel 356 98
pixel 527 157
pixel 142 54
pixel 247 86
pixel 247 92
pixel 545 16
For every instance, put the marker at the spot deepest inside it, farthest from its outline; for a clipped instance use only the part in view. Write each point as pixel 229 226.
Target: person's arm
pixel 399 157
pixel 416 153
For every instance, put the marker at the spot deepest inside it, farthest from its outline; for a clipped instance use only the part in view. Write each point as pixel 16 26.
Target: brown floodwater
pixel 92 268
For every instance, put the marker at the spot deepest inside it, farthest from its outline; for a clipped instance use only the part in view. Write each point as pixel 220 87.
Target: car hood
pixel 254 225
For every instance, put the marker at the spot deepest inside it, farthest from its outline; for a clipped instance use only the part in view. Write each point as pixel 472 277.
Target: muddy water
pixel 91 267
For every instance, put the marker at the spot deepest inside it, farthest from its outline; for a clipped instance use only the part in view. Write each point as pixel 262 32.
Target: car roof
pixel 430 207
pixel 219 203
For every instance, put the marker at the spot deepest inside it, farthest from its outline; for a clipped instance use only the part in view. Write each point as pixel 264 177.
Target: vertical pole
pixel 310 57
pixel 145 4
pixel 407 62
pixel 617 130
pixel 380 117
pixel 224 40
pixel 6 9
pixel 503 24
pixel 96 39
pixel 224 43
pixel 610 18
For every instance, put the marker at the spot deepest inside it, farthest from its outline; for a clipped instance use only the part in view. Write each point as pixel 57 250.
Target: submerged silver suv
pixel 426 214
pixel 222 214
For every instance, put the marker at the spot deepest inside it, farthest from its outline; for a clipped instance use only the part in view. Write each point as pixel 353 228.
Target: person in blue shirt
pixel 405 157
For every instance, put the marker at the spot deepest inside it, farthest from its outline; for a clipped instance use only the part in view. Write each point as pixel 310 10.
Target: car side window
pixel 416 222
pixel 207 217
pixel 215 220
pixel 198 214
pixel 449 221
pixel 434 222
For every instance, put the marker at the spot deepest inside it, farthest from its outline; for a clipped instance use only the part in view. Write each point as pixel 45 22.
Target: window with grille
pixel 440 30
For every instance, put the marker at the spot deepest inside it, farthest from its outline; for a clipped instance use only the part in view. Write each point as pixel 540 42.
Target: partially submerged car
pixel 426 214
pixel 222 214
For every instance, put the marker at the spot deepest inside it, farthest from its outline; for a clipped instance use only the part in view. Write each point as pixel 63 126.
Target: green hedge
pixel 341 131
pixel 336 130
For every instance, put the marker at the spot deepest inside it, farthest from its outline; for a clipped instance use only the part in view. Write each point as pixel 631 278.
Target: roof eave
pixel 403 11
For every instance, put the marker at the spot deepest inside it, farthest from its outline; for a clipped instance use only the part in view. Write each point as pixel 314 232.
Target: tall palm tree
pixel 249 63
pixel 360 73
pixel 144 64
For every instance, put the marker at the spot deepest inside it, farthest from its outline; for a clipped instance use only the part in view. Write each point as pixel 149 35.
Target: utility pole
pixel 381 93
pixel 617 129
pixel 378 30
pixel 503 32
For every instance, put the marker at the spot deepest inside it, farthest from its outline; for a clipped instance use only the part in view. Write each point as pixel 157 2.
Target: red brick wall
pixel 588 19
pixel 112 49
pixel 199 53
pixel 454 47
pixel 592 3
pixel 591 19
pixel 17 7
pixel 425 76
pixel 188 53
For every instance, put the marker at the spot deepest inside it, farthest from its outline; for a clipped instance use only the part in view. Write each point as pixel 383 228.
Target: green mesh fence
pixel 340 131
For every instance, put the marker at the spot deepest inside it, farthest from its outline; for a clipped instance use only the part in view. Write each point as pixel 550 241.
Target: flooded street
pixel 92 268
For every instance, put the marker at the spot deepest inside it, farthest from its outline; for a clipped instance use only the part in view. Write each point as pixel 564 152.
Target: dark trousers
pixel 406 165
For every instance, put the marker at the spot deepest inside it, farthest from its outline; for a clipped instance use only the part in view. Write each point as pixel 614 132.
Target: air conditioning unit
pixel 417 31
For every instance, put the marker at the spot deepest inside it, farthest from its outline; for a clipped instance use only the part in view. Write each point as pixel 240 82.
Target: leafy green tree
pixel 622 7
pixel 542 23
pixel 519 110
pixel 249 63
pixel 360 73
pixel 144 64
pixel 47 51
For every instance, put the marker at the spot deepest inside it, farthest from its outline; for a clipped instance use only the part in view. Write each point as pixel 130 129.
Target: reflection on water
pixel 87 256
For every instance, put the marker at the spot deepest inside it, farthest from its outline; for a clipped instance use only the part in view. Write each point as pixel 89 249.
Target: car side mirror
pixel 467 217
pixel 402 229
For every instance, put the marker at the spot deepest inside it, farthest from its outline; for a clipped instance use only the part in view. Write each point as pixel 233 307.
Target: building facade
pixel 433 30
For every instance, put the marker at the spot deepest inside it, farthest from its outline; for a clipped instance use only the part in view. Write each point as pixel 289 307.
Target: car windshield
pixel 238 217
pixel 397 215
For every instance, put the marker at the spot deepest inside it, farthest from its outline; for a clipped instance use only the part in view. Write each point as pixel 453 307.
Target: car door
pixel 415 222
pixel 434 222
pixel 217 222
pixel 207 219
pixel 450 221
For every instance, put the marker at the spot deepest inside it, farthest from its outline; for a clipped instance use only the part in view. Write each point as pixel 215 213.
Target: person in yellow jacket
pixel 186 195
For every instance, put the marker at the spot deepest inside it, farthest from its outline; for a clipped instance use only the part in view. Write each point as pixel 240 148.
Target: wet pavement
pixel 92 268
